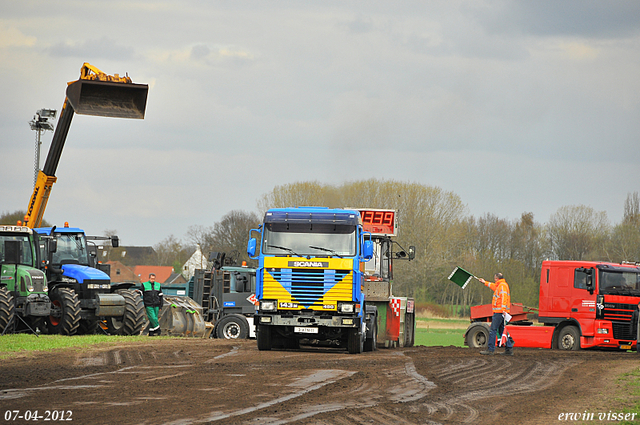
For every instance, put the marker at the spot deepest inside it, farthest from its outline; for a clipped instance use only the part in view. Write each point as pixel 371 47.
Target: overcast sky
pixel 514 106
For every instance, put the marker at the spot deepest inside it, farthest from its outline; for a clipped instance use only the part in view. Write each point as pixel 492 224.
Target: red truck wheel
pixel 478 336
pixel 569 338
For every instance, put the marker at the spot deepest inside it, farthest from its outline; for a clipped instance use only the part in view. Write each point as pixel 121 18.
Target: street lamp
pixel 40 123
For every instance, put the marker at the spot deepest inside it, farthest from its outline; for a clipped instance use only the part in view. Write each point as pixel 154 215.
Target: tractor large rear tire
pixel 65 302
pixel 132 321
pixel 88 326
pixel 7 308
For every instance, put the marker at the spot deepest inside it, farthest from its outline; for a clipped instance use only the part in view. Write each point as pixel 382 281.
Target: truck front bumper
pixel 310 321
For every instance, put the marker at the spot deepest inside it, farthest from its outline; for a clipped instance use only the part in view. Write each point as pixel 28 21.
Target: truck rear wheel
pixel 7 308
pixel 355 341
pixel 478 336
pixel 263 337
pixel 233 327
pixel 569 338
pixel 65 312
pixel 132 321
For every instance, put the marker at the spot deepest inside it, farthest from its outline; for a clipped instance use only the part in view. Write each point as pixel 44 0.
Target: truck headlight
pixel 345 308
pixel 267 305
pixel 602 331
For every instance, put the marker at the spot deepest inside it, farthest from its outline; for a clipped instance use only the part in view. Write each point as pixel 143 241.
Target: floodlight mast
pixel 40 123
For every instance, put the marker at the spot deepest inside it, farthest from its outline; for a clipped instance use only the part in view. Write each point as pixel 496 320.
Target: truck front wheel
pixel 263 337
pixel 569 338
pixel 355 341
pixel 477 337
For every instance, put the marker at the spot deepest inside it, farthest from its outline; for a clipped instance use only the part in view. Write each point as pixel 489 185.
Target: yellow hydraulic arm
pixel 95 93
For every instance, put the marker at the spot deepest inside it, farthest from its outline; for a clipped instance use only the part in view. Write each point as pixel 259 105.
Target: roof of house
pixel 162 272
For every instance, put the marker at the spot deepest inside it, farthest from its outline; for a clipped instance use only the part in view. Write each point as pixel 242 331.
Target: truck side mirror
pixel 251 247
pixel 589 283
pixel 115 241
pixel 412 252
pixel 52 245
pixel 367 250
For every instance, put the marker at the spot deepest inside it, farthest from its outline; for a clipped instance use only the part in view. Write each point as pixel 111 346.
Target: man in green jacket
pixel 152 297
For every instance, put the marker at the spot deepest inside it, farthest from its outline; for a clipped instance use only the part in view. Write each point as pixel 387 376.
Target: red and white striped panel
pixel 395 304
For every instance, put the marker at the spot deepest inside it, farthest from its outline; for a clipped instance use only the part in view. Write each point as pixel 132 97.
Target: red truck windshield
pixel 619 283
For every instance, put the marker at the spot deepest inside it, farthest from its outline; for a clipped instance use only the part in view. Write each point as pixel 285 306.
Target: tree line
pixel 444 233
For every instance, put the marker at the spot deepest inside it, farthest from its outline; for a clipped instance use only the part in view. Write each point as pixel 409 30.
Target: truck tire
pixel 409 330
pixel 132 321
pixel 355 341
pixel 263 337
pixel 371 344
pixel 65 320
pixel 477 336
pixel 569 338
pixel 232 327
pixel 7 308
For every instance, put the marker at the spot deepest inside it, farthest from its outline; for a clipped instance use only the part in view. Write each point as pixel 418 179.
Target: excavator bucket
pixel 108 99
pixel 182 316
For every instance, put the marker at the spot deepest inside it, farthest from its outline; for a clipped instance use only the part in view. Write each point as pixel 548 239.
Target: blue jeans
pixel 497 327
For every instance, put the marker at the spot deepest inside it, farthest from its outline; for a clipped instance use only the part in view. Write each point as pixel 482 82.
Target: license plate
pixel 625 347
pixel 305 330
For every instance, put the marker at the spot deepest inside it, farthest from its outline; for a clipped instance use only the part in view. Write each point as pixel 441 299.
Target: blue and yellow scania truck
pixel 311 280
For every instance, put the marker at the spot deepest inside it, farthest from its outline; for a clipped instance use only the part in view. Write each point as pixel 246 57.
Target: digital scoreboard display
pixel 379 222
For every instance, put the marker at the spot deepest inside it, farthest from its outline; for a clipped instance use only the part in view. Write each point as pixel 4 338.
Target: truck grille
pixel 309 286
pixel 618 312
pixel 622 331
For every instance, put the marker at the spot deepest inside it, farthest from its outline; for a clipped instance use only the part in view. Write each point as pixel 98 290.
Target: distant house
pixel 196 261
pixel 121 273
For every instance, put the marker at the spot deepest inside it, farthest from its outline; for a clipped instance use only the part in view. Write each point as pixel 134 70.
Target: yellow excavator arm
pixel 95 93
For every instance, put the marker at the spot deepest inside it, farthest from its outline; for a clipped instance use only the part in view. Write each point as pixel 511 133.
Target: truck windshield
pixel 299 238
pixel 25 255
pixel 619 283
pixel 72 249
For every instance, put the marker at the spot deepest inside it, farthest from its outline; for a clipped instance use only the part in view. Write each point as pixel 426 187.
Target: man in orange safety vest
pixel 501 306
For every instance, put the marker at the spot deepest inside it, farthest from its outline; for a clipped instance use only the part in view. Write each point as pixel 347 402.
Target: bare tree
pixel 578 232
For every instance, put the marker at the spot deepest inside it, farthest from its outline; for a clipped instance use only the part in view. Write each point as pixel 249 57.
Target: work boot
pixel 508 352
pixel 487 352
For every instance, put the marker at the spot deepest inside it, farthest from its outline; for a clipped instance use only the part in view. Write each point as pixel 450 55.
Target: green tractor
pixel 24 303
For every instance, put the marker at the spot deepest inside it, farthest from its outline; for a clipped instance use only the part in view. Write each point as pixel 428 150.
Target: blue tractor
pixel 80 288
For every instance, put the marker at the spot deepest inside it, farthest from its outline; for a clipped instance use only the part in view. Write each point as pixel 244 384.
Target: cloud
pixel 13 37
pixel 103 48
pixel 581 18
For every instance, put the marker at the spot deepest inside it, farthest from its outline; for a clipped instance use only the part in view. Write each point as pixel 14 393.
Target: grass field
pixel 28 342
pixel 440 332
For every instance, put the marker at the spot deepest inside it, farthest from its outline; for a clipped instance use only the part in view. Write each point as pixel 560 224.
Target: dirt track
pixel 181 381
